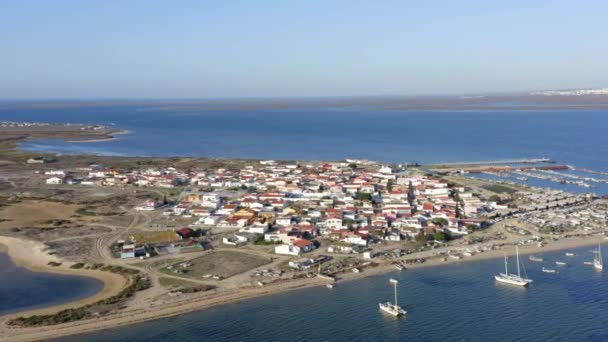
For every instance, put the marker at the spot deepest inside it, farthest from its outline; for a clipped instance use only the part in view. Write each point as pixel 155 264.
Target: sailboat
pixel 598 263
pixel 513 279
pixel 392 308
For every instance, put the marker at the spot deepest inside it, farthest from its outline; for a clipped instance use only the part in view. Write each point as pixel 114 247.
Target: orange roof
pixel 302 243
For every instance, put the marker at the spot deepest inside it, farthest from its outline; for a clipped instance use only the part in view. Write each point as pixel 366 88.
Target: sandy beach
pixel 195 302
pixel 32 255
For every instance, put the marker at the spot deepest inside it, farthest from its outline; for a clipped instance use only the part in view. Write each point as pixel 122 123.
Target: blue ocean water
pixel 459 302
pixel 21 289
pixel 573 137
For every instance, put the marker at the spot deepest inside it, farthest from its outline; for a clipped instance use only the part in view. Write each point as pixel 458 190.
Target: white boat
pixel 399 267
pixel 598 262
pixel 535 258
pixel 588 263
pixel 570 254
pixel 548 270
pixel 392 309
pixel 329 286
pixel 513 279
pixel 561 263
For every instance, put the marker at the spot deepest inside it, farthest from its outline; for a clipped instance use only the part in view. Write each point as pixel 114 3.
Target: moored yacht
pixel 392 309
pixel 598 262
pixel 513 279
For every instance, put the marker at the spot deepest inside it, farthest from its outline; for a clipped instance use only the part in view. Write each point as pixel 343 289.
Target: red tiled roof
pixel 302 243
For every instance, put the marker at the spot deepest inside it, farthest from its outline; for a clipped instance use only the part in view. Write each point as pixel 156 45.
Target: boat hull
pixel 391 309
pixel 512 280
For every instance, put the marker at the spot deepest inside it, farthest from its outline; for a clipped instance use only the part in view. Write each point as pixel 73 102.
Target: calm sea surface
pixel 21 289
pixel 570 137
pixel 446 303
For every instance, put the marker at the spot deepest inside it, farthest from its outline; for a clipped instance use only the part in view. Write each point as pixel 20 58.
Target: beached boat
pixel 535 258
pixel 392 309
pixel 398 267
pixel 598 262
pixel 513 279
pixel 329 286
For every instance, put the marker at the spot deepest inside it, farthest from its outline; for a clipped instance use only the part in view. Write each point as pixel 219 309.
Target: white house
pixel 210 200
pixel 287 250
pixel 356 240
pixel 298 246
pixel 212 220
pixel 333 223
pixel 54 180
pixel 283 221
pixel 273 237
pixel 235 240
pixel 340 247
pixel 148 206
pixel 257 228
pixel 55 173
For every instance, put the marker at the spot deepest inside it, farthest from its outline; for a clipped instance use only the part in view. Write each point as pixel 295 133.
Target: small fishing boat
pixel 570 254
pixel 548 270
pixel 535 258
pixel 561 263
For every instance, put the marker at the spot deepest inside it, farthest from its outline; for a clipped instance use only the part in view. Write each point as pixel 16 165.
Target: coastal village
pixel 316 215
pixel 168 236
pixel 351 206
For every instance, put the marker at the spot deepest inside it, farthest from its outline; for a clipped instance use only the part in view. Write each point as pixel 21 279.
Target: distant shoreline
pixel 110 138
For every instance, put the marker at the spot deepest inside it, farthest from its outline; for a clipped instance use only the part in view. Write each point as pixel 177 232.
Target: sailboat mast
pixel 599 253
pixel 506 265
pixel 395 284
pixel 517 251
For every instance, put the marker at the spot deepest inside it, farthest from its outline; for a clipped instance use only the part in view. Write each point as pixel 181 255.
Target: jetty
pixel 504 161
pixel 514 168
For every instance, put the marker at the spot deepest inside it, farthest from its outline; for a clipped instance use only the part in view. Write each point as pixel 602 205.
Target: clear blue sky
pixel 258 48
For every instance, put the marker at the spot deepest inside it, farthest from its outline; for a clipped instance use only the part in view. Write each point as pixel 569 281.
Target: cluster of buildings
pixel 293 206
pixel 100 176
pixel 574 92
pixel 563 220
